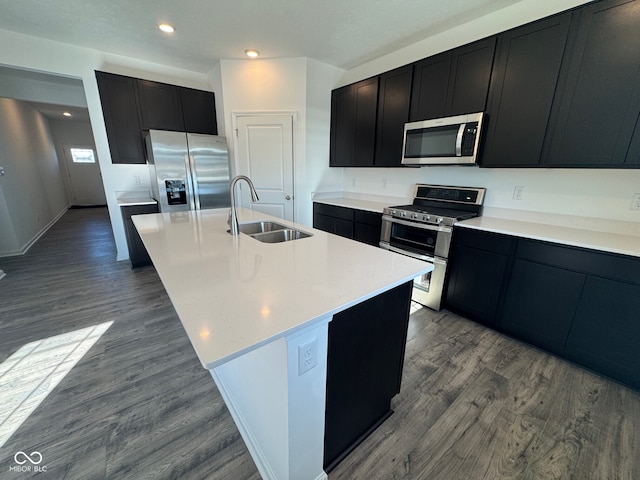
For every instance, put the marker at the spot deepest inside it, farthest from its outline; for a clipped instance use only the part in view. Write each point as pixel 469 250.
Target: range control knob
pixel 403 214
pixel 393 212
pixel 414 215
pixel 439 220
pixel 427 218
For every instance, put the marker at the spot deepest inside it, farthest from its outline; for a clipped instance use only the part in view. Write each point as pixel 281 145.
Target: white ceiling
pixel 343 33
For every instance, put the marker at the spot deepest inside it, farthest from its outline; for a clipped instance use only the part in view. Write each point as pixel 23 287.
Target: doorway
pixel 84 179
pixel 264 153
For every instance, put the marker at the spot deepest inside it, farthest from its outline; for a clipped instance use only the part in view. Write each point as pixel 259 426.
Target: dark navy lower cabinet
pixel 578 303
pixel 605 334
pixel 364 368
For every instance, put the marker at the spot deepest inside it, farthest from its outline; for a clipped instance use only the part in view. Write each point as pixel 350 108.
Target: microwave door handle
pixel 459 139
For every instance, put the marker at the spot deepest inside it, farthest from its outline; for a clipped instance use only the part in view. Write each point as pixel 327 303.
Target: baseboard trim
pixel 35 238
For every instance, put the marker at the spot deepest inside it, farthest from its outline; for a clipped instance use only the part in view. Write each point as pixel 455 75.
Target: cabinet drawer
pixel 602 264
pixel 333 211
pixel 370 218
pixel 479 239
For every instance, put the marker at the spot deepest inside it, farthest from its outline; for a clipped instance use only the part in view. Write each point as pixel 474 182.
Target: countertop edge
pixel 564 235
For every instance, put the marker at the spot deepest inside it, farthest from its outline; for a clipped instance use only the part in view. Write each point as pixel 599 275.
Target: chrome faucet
pixel 233 219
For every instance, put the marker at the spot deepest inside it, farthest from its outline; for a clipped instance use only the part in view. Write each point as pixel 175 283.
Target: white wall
pixel 32 53
pixel 317 176
pixel 32 189
pixel 580 192
pixel 298 85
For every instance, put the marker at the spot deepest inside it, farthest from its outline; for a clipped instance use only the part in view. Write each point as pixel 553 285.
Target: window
pixel 83 155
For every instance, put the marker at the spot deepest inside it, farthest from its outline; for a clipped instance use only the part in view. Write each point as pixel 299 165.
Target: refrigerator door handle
pixel 190 182
pixel 194 181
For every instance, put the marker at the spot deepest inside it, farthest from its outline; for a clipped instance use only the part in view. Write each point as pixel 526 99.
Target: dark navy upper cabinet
pixel 131 105
pixel 598 99
pixel 119 99
pixel 393 113
pixel 523 84
pixel 453 82
pixel 353 124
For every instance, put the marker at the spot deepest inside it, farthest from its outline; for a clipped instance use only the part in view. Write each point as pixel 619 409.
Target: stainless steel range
pixel 423 230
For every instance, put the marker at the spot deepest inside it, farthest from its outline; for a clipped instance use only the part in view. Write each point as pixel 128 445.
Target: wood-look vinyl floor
pixel 474 404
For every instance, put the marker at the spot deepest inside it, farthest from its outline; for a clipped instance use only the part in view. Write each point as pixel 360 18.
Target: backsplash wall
pixel 580 192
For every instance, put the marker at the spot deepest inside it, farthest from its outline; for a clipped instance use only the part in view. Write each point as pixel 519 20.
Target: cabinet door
pixel 333 219
pixel 598 98
pixel 469 77
pixel 160 106
pixel 119 99
pixel 477 272
pixel 523 83
pixel 353 124
pixel 198 111
pixel 540 303
pixel 453 82
pixel 365 355
pixel 429 87
pixel 475 282
pixel 633 154
pixel 138 255
pixel 367 226
pixel 606 329
pixel 393 113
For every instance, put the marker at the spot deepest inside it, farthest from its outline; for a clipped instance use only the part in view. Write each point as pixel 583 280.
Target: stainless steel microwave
pixel 443 141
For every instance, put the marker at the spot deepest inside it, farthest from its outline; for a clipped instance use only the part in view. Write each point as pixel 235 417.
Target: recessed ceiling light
pixel 66 114
pixel 166 28
pixel 251 53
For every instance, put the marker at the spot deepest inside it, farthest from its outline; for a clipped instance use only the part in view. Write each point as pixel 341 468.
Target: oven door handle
pixel 422 226
pixel 426 258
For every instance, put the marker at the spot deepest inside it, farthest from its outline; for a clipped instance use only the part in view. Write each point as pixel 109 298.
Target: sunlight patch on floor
pixel 30 374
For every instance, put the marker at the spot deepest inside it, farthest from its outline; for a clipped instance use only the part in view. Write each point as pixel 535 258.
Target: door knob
pixel 288 197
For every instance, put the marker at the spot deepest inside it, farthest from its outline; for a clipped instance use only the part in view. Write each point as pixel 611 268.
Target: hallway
pixel 138 403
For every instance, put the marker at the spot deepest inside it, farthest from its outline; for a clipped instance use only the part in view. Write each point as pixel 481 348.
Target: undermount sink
pixel 278 236
pixel 260 227
pixel 271 232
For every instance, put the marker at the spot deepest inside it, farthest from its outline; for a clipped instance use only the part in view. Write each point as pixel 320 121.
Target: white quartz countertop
pixel 580 237
pixel 371 203
pixel 234 294
pixel 132 201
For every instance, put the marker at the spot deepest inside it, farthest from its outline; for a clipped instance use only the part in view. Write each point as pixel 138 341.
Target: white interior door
pixel 85 180
pixel 264 153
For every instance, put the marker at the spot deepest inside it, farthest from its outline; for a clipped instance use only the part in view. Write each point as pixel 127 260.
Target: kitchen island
pixel 258 316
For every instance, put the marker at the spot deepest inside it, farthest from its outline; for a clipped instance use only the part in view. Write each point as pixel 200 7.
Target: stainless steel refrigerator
pixel 188 171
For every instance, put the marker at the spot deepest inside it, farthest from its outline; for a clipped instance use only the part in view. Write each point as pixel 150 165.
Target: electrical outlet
pixel 307 355
pixel 635 202
pixel 384 183
pixel 353 182
pixel 517 193
pixel 136 179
